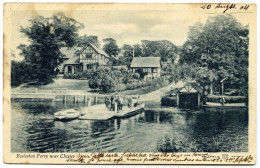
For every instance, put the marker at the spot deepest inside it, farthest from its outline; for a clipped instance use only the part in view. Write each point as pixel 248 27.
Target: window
pixel 89 66
pixel 69 69
pixel 88 55
pixel 154 70
pixel 77 68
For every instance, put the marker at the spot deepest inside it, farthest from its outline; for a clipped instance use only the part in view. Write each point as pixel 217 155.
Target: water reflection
pixel 209 130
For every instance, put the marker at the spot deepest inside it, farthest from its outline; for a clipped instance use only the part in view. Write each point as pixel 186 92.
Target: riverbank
pixel 78 91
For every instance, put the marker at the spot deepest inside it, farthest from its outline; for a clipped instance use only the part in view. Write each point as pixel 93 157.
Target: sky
pixel 125 26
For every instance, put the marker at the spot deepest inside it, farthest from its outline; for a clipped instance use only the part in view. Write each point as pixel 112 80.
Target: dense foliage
pixel 46 36
pixel 214 51
pixel 111 47
pixel 111 80
pixel 164 48
pixel 83 40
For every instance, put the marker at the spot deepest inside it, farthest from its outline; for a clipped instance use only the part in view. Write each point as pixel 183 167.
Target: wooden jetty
pixel 126 112
pixel 100 112
pixel 96 112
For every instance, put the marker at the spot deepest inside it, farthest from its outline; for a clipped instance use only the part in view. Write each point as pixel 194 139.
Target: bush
pixel 141 73
pixel 120 87
pixel 23 72
pixel 72 76
pixel 169 101
pixel 136 76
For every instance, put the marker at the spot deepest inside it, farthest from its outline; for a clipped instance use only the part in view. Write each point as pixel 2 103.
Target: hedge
pixel 137 85
pixel 169 101
pixel 83 75
pixel 228 99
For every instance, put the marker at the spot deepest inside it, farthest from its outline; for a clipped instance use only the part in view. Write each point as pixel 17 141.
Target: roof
pixel 73 57
pixel 145 62
pixel 98 50
pixel 69 52
pixel 190 87
pixel 73 60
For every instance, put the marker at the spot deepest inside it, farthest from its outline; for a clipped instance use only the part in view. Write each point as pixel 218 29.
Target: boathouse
pixel 189 96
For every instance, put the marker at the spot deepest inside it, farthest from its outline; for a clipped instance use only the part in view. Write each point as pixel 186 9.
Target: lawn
pixel 71 84
pixel 82 85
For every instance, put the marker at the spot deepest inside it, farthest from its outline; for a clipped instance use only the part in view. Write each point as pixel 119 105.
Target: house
pixel 149 65
pixel 79 59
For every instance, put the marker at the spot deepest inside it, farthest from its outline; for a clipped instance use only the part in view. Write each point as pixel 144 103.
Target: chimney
pixel 95 39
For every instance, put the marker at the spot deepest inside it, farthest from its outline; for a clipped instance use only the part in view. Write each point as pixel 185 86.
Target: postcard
pixel 111 83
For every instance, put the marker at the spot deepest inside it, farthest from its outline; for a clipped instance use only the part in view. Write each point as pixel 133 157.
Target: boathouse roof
pixel 190 87
pixel 145 62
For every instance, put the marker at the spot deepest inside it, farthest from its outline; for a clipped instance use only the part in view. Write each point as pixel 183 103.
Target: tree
pixel 104 79
pixel 110 47
pixel 138 50
pixel 83 40
pixel 164 48
pixel 219 49
pixel 167 50
pixel 46 36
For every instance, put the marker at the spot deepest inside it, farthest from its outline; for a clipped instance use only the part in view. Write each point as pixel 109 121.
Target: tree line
pixel 213 51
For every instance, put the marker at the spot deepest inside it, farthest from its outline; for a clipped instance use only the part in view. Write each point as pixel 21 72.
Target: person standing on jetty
pixel 130 102
pixel 112 108
pixel 120 102
pixel 107 102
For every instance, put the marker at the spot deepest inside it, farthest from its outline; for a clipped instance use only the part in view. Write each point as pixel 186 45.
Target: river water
pixel 155 130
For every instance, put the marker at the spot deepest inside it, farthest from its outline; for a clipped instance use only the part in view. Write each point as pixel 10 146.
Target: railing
pixel 36 90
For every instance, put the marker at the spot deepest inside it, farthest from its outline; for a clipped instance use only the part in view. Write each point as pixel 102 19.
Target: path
pixel 157 95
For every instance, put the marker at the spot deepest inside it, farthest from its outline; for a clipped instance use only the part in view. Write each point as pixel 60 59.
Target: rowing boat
pixel 66 115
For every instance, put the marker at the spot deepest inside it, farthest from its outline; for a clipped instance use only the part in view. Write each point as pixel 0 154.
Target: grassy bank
pixel 71 84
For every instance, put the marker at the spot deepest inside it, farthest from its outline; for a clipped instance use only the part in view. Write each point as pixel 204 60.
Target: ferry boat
pixel 130 111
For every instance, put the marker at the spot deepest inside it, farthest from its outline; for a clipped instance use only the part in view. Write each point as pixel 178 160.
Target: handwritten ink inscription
pixel 225 7
pixel 166 158
pixel 144 158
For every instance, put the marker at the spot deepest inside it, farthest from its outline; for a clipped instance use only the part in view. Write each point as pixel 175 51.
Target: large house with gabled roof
pixel 79 59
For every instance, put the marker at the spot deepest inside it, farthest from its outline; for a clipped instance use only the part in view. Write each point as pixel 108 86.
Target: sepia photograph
pixel 129 83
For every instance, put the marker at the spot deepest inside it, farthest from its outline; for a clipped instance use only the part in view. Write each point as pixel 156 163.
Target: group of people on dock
pixel 116 103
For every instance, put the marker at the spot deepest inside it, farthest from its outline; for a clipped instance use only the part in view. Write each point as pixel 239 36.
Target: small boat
pixel 226 105
pixel 66 115
pixel 130 111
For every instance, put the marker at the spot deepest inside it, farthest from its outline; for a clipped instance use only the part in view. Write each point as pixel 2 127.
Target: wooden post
pixel 178 100
pixel 96 99
pixel 223 88
pixel 36 90
pixel 89 102
pixel 64 98
pixel 198 100
pixel 85 99
pixel 75 99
